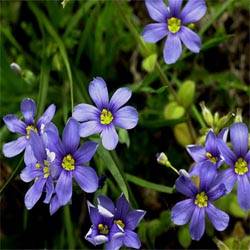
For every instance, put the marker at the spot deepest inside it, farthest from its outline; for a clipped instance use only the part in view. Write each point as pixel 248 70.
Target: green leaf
pixel 184 236
pixel 173 111
pixel 114 170
pixel 148 64
pixel 148 184
pixel 186 93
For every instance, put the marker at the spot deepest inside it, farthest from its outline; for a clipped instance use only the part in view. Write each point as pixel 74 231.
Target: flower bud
pixel 238 117
pixel 207 115
pixel 16 68
pixel 162 159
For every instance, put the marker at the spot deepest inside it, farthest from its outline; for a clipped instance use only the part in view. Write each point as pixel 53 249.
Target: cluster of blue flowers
pixel 206 182
pixel 53 162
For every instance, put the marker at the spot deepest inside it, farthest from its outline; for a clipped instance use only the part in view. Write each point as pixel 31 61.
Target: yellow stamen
pixel 201 200
pixel 68 162
pixel 38 165
pixel 212 158
pixel 30 128
pixel 120 223
pixel 174 24
pixel 106 117
pixel 240 167
pixel 103 229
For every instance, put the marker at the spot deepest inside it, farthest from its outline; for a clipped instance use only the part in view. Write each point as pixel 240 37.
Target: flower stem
pixel 69 228
pixel 13 174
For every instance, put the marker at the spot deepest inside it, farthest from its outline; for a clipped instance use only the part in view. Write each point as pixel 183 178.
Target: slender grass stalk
pixel 13 174
pixel 69 227
pixel 41 17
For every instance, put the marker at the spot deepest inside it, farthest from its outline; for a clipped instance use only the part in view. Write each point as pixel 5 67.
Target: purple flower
pixel 239 162
pixel 172 22
pixel 209 156
pixel 39 170
pixel 107 114
pixel 119 221
pixel 15 125
pixel 71 162
pixel 199 203
pixel 126 220
pixel 103 230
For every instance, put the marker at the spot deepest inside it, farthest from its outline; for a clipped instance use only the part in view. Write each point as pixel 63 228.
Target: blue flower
pixel 40 170
pixel 119 220
pixel 239 162
pixel 107 114
pixel 71 162
pixel 208 156
pixel 199 203
pixel 172 22
pixel 15 125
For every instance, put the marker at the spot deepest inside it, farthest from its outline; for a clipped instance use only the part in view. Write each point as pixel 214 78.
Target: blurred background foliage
pixel 58 48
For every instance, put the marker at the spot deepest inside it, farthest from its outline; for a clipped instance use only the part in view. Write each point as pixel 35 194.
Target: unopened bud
pixel 224 120
pixel 238 117
pixel 16 68
pixel 162 159
pixel 207 115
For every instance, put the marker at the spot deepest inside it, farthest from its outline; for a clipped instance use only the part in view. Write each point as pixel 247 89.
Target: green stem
pixel 69 228
pixel 13 174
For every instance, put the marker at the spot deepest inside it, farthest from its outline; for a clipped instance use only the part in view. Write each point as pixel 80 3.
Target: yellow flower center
pixel 68 162
pixel 120 223
pixel 30 128
pixel 38 165
pixel 240 167
pixel 103 229
pixel 106 117
pixel 174 24
pixel 46 172
pixel 210 157
pixel 201 200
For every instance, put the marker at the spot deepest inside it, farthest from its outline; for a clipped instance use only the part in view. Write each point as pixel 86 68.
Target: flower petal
pixel 185 186
pixel 14 148
pixel 94 215
pixel 109 137
pixel 34 193
pixel 85 152
pixel 133 218
pixel 239 138
pixel 172 49
pixel 181 213
pixel 223 134
pixel 14 124
pixel 218 218
pixel 226 153
pixel 64 187
pixel 154 32
pixel 157 10
pixel 191 40
pixel 29 157
pixel 122 207
pixel 119 98
pixel 70 137
pixel 197 152
pixel 47 115
pixel 243 192
pixel 99 92
pixel 37 146
pixel 207 176
pixel 28 108
pixel 29 173
pixel 197 223
pixel 85 112
pixel 131 239
pixel 106 202
pixel 54 205
pixel 175 7
pixel 87 178
pixel 126 117
pixel 193 11
pixel 228 177
pixel 114 244
pixel 216 192
pixel 89 128
pixel 49 188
